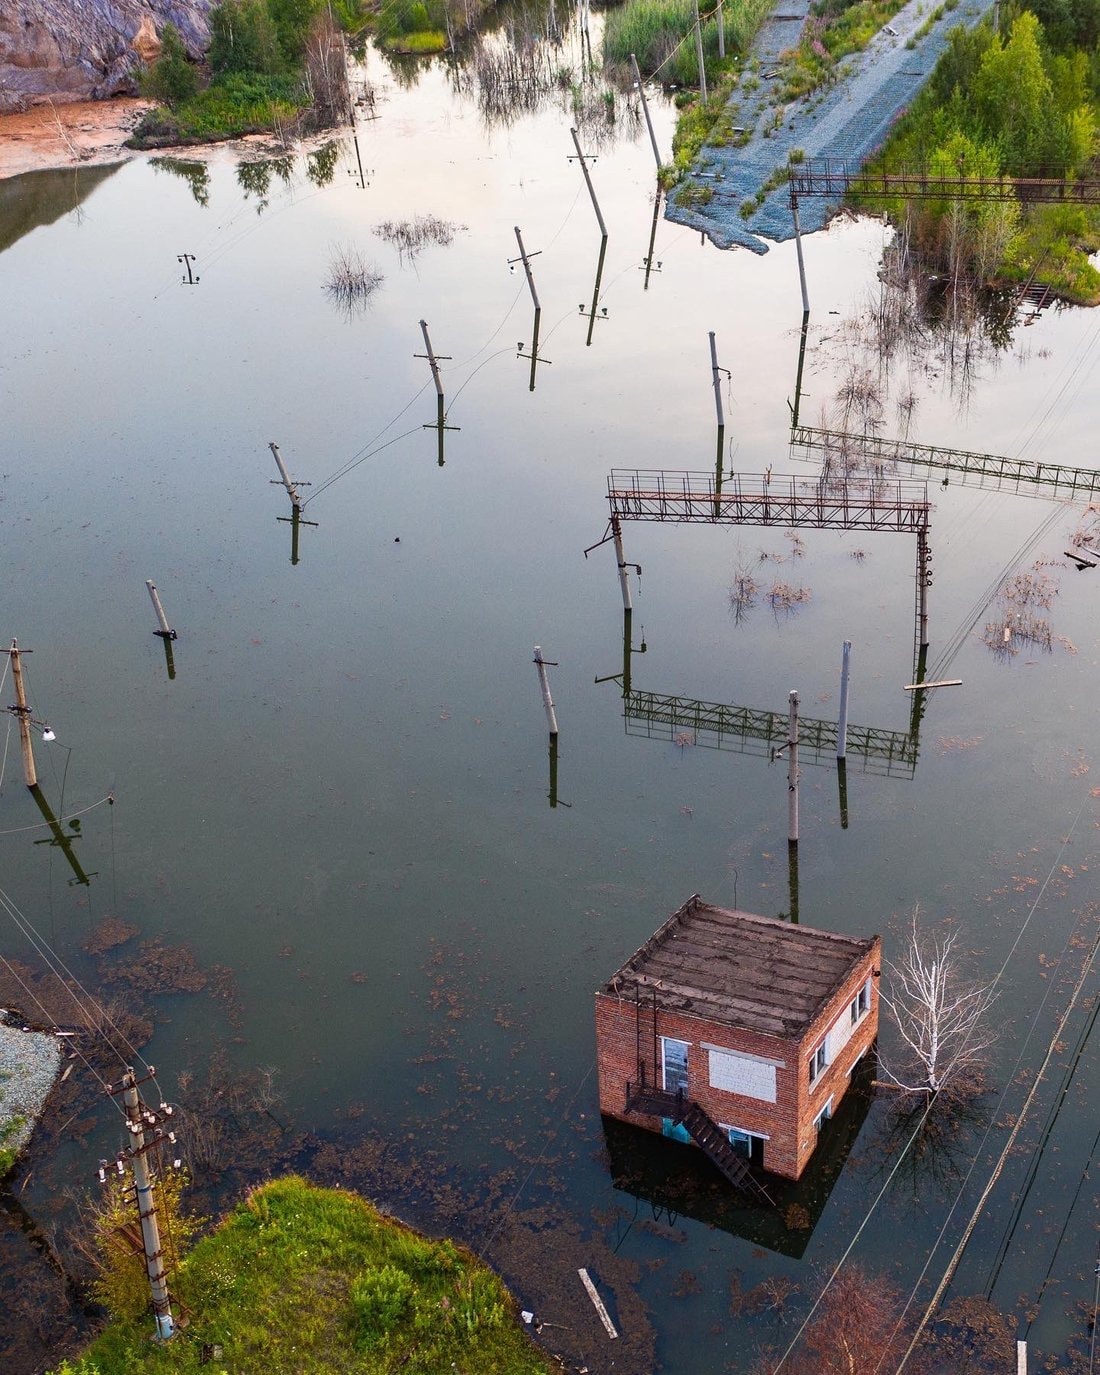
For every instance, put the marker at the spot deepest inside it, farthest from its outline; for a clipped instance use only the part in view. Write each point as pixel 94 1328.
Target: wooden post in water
pixel 801 260
pixel 541 665
pixel 842 724
pixel 645 111
pixel 792 768
pixel 699 53
pixel 22 713
pixel 588 182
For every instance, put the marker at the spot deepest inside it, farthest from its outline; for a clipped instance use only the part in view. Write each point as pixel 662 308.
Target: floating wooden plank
pixel 605 1318
pixel 925 687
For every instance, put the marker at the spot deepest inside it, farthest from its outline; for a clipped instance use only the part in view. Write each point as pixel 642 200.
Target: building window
pixel 861 1003
pixel 823 1116
pixel 818 1060
pixel 748 1145
pixel 674 1064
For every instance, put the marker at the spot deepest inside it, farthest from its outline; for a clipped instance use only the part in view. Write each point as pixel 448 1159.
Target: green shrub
pixel 172 80
pixel 380 1298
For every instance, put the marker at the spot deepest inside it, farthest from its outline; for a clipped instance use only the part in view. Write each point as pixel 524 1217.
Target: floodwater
pixel 342 796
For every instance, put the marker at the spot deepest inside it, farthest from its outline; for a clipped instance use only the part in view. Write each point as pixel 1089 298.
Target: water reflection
pixel 254 177
pixel 195 174
pixel 61 839
pixel 676 1180
pixel 40 198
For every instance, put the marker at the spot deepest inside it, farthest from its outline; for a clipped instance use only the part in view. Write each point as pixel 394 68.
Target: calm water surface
pixel 349 774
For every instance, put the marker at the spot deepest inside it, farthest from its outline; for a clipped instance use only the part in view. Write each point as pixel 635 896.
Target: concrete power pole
pixel 138 1117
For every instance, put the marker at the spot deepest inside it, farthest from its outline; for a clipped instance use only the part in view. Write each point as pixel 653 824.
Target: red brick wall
pixel 835 1079
pixel 617 1062
pixel 788 1122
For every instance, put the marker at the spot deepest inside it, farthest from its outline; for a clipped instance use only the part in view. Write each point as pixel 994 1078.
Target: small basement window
pixel 861 1003
pixel 818 1061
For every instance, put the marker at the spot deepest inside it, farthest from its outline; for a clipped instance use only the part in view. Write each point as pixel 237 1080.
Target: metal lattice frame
pixel 751 730
pixel 788 502
pixel 838 178
pixel 1057 480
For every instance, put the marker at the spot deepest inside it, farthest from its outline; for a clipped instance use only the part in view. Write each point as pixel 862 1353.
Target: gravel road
pixel 29 1064
pixel 849 119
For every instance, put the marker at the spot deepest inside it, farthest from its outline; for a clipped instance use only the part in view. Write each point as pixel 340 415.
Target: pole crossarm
pixel 837 179
pixel 747 499
pixel 1054 480
pixel 756 730
pixel 752 730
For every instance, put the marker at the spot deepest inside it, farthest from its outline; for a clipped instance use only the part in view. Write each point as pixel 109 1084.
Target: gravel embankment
pixel 29 1065
pixel 850 119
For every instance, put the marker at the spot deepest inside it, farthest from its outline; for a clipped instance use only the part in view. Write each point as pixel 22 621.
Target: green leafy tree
pixel 1013 95
pixel 292 19
pixel 172 80
pixel 243 38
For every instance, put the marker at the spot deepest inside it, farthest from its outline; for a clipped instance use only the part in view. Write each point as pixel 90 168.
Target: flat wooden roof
pixel 743 970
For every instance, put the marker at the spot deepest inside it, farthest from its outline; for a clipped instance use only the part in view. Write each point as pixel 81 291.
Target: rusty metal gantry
pixel 1053 481
pixel 839 178
pixel 789 502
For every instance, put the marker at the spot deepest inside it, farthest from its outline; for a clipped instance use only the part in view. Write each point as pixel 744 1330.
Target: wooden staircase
pixel 704 1131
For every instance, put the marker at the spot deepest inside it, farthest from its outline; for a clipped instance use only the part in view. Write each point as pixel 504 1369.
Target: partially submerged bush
pixel 351 280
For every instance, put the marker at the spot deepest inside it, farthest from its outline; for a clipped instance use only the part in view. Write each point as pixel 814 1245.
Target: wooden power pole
pixel 22 713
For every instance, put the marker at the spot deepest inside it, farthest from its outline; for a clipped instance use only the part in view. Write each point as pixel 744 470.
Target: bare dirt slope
pixel 86 49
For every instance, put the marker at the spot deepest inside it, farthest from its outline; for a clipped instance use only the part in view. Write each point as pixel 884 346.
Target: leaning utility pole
pixel 22 713
pixel 138 1117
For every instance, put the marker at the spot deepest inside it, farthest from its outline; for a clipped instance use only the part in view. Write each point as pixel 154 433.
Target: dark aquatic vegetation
pixel 351 280
pixel 411 237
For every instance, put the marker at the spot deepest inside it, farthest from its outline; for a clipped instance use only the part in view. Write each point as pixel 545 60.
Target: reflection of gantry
pixel 1048 479
pixel 839 178
pixel 789 502
pixel 749 730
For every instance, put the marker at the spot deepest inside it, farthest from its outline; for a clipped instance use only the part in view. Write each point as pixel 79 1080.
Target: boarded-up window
pixel 742 1074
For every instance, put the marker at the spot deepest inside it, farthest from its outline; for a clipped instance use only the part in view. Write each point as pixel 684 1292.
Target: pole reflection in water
pixel 60 838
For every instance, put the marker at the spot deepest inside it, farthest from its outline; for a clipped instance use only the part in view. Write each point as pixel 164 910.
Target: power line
pixel 93 1012
pixel 924 1118
pixel 956 1256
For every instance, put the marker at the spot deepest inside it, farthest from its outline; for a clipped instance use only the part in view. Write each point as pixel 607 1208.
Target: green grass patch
pixel 315 1281
pixel 238 103
pixel 654 30
pixel 7 1152
pixel 419 43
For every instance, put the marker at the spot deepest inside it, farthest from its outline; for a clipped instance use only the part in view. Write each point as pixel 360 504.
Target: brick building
pixel 737 1032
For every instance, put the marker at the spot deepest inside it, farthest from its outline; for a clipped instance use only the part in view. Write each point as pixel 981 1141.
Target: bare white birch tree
pixel 941 1016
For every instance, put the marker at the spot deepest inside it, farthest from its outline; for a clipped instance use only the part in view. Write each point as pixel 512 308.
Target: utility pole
pixel 591 314
pixel 22 714
pixel 792 769
pixel 645 110
pixel 801 260
pixel 699 53
pixel 297 505
pixel 138 1117
pixel 721 32
pixel 433 362
pixel 525 259
pixel 650 264
pixel 716 376
pixel 583 160
pixel 187 259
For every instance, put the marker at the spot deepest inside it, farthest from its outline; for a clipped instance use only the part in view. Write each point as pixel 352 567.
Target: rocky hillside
pixel 86 49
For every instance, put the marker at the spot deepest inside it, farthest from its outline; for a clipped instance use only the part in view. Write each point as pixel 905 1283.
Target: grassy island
pixel 299 1278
